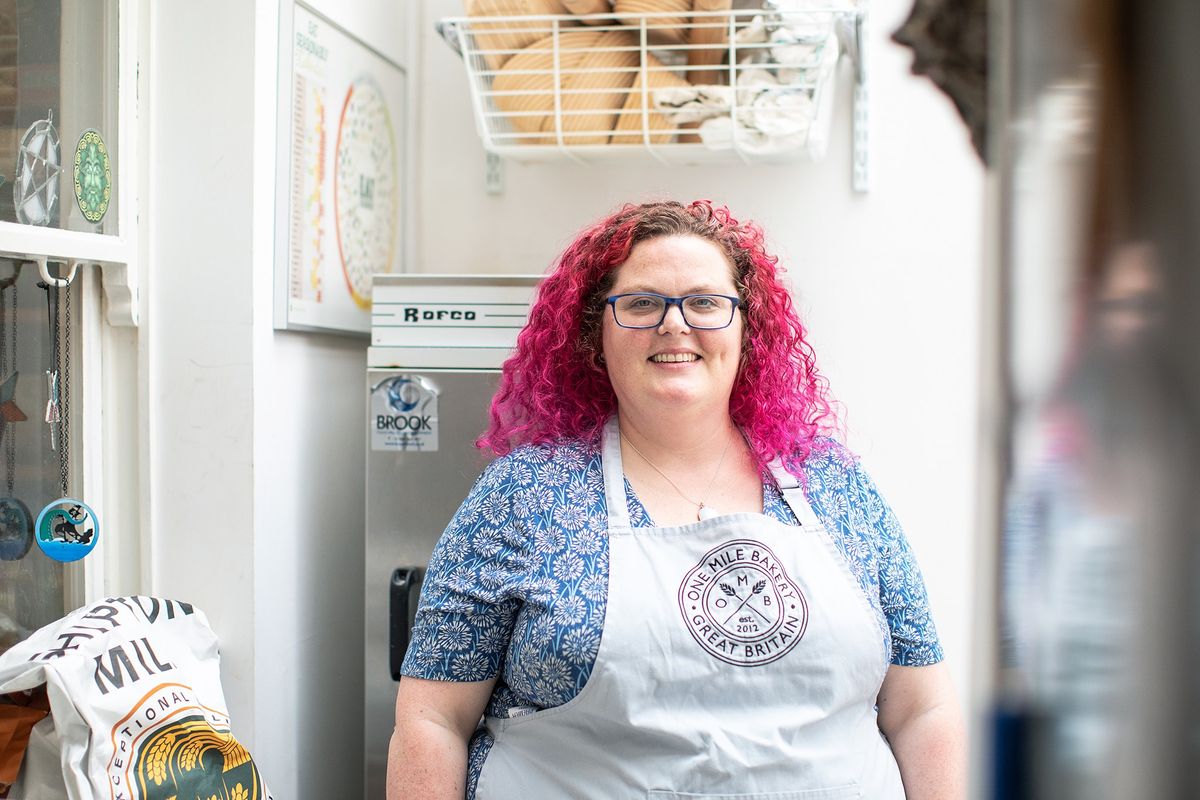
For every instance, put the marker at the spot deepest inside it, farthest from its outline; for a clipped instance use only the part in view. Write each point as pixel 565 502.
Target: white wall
pixel 309 489
pixel 256 437
pixel 196 327
pixel 309 417
pixel 888 282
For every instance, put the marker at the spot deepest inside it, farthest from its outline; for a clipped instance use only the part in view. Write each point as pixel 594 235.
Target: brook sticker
pixel 740 605
pixel 404 414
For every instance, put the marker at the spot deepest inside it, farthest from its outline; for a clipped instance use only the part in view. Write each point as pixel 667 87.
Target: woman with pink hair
pixel 672 582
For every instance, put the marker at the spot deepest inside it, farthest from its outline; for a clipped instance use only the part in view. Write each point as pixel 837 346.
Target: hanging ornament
pixel 39 160
pixel 16 529
pixel 93 176
pixel 67 529
pixel 16 524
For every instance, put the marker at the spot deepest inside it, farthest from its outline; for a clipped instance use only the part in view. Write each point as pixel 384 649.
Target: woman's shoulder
pixel 539 463
pixel 827 457
pixel 566 453
pixel 563 451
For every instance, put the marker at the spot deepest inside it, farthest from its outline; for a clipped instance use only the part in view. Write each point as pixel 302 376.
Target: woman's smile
pixel 674 357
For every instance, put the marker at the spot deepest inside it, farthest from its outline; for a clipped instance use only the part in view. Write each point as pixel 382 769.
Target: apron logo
pixel 740 605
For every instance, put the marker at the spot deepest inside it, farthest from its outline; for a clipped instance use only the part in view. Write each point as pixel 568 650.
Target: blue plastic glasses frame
pixel 674 301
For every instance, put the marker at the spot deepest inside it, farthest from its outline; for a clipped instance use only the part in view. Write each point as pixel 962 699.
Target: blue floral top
pixel 518 584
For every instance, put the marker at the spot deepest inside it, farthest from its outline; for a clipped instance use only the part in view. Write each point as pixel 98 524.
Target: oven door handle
pixel 404 580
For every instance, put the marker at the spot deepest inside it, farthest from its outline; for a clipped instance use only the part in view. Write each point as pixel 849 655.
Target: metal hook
pixel 44 271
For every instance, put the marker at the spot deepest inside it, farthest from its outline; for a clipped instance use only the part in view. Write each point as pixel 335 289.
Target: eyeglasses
pixel 706 312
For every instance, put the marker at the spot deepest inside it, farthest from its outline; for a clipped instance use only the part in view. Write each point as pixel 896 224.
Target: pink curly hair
pixel 555 386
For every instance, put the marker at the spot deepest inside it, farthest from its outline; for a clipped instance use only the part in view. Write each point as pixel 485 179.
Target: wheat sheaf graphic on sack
pixel 188 758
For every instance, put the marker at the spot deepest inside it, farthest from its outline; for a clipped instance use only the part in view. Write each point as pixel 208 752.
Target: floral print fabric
pixel 517 585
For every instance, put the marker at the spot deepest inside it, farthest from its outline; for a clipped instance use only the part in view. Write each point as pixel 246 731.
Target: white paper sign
pixel 345 213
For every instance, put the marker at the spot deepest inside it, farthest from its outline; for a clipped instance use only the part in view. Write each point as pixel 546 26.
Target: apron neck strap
pixel 793 495
pixel 614 475
pixel 618 506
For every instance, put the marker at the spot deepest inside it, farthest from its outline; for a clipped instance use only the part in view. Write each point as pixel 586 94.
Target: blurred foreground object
pixel 949 40
pixel 1099 435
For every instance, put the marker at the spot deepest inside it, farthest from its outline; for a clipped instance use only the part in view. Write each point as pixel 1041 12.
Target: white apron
pixel 739 660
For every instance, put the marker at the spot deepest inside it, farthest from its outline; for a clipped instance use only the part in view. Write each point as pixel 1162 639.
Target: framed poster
pixel 339 187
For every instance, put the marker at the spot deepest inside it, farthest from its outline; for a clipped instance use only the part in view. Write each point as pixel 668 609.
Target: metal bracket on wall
pixel 120 287
pixel 493 174
pixel 861 155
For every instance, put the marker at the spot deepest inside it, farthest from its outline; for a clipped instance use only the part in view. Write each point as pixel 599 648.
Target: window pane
pixel 58 106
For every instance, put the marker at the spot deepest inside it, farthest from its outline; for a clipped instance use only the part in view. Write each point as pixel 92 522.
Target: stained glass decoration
pixel 93 176
pixel 39 160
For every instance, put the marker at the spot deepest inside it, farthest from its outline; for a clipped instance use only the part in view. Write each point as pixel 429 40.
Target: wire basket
pixel 684 87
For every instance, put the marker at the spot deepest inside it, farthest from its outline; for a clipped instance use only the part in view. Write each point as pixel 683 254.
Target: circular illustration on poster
pixel 35 185
pixel 67 529
pixel 365 188
pixel 16 529
pixel 93 176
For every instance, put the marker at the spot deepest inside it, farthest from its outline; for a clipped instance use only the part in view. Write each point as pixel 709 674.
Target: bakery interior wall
pixel 255 446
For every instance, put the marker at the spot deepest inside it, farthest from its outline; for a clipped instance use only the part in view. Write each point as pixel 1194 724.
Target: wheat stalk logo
pixel 157 756
pixel 178 763
pixel 755 590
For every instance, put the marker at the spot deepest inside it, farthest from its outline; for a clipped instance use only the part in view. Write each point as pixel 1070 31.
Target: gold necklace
pixel 700 515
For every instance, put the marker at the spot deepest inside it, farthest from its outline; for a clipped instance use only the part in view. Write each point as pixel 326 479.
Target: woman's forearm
pixel 427 757
pixel 426 760
pixel 930 749
pixel 919 715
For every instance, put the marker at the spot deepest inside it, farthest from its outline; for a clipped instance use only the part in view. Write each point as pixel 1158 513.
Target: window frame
pixel 108 268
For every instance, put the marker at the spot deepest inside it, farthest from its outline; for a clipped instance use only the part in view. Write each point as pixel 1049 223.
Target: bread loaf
pixel 589 7
pixel 513 34
pixel 538 59
pixel 611 65
pixel 660 30
pixel 712 33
